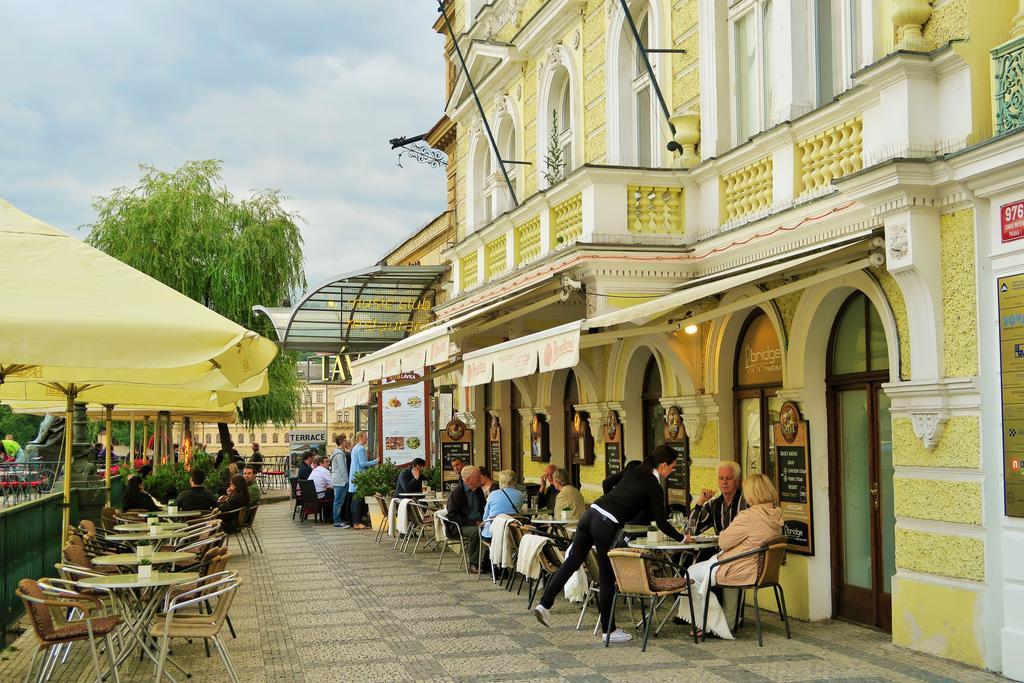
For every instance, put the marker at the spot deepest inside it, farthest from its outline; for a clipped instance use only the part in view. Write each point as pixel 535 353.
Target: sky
pixel 301 96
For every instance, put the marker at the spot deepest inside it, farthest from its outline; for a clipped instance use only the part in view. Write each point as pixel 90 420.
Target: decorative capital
pixel 928 427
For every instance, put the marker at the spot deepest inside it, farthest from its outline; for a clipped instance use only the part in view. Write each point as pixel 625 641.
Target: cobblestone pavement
pixel 326 604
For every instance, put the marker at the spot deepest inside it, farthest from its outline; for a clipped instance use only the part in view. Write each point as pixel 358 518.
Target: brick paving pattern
pixel 326 604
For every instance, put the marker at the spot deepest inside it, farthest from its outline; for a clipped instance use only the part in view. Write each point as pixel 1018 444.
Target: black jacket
pixel 408 483
pixel 138 501
pixel 637 492
pixel 458 506
pixel 196 498
pixel 305 469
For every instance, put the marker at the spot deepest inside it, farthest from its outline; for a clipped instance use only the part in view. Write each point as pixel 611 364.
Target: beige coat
pixel 570 497
pixel 748 530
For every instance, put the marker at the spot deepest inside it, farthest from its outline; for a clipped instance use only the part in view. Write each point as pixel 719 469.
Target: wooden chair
pixel 633 579
pixel 50 609
pixel 770 556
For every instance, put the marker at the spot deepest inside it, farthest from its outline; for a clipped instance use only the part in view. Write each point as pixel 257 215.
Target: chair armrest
pixel 748 553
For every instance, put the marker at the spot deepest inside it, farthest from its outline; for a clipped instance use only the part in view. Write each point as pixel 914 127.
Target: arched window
pixel 276 438
pixel 209 438
pixel 653 411
pixel 556 128
pixel 497 187
pixel 635 99
pixel 758 377
pixel 241 437
pixel 482 191
pixel 263 437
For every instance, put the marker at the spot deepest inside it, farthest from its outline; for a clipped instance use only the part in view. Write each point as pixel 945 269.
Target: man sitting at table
pixel 410 479
pixel 306 467
pixel 457 465
pixel 547 494
pixel 254 488
pixel 466 509
pixel 196 497
pixel 569 497
pixel 719 511
pixel 321 478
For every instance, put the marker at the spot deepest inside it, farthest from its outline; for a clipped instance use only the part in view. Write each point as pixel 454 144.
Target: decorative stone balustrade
pixel 527 238
pixel 1009 85
pixel 829 155
pixel 654 210
pixel 747 190
pixel 468 271
pixel 495 259
pixel 567 221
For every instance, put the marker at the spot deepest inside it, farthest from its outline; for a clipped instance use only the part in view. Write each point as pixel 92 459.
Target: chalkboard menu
pixel 613 454
pixel 494 447
pixel 678 484
pixel 456 443
pixel 793 479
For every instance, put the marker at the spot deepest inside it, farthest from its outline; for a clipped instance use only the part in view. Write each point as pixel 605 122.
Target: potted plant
pixel 145 569
pixel 377 480
pixel 144 550
pixel 566 513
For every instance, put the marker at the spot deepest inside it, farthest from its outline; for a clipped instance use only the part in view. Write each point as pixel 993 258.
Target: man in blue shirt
pixel 360 462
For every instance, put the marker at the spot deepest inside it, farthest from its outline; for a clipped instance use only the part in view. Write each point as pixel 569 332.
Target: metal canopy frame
pixel 360 312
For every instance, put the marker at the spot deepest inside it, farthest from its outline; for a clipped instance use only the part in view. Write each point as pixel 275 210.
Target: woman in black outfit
pixel 638 491
pixel 237 497
pixel 135 497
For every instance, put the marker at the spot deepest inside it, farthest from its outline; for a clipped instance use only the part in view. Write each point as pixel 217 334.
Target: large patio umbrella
pixel 77 322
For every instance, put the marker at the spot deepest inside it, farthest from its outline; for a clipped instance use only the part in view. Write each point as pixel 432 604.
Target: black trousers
pixel 594 531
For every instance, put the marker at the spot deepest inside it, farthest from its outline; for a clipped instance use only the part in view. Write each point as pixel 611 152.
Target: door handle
pixel 874 495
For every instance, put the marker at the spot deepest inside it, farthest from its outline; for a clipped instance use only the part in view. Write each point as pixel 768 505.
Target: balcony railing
pixel 1009 85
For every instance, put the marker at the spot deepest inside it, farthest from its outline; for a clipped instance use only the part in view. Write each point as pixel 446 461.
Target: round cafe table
pixel 132 559
pixel 144 526
pixel 412 495
pixel 686 551
pixel 182 514
pixel 142 536
pixel 137 600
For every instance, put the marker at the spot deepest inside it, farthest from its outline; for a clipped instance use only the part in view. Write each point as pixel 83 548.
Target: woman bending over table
pixel 748 530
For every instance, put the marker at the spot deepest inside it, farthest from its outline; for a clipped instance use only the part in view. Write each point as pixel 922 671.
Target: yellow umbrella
pixel 77 321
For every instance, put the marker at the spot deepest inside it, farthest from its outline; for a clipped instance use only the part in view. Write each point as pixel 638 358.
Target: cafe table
pixel 412 494
pixel 687 552
pixel 137 600
pixel 144 526
pixel 132 559
pixel 145 536
pixel 178 514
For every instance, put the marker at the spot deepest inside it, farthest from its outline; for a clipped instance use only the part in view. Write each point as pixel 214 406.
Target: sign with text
pixel 404 422
pixel 494 447
pixel 1011 220
pixel 678 484
pixel 1010 293
pixel 793 479
pixel 456 443
pixel 307 436
pixel 613 455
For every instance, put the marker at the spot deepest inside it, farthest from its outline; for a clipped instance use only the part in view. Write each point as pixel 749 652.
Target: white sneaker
pixel 618 636
pixel 543 614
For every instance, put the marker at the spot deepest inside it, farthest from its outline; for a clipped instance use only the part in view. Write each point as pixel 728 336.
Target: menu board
pixel 1010 291
pixel 678 484
pixel 456 443
pixel 404 423
pixel 494 447
pixel 613 455
pixel 793 479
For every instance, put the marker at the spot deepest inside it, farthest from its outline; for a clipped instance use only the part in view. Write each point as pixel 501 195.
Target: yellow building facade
pixel 804 201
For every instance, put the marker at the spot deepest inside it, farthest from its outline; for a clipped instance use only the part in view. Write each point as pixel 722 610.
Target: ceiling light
pixel 690 329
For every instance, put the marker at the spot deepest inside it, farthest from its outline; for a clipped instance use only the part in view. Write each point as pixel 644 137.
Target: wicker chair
pixel 50 608
pixel 770 556
pixel 173 623
pixel 108 518
pixel 383 503
pixel 75 554
pixel 634 579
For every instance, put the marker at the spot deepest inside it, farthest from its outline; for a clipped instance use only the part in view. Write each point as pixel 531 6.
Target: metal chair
pixel 311 504
pixel 50 609
pixel 249 527
pixel 770 557
pixel 173 623
pixel 593 573
pixel 633 579
pixel 296 494
pixel 452 542
pixel 383 503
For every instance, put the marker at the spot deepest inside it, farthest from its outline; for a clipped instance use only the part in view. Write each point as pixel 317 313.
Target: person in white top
pixel 321 478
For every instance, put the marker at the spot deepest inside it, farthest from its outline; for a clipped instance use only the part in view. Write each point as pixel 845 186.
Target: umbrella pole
pixel 68 439
pixel 109 408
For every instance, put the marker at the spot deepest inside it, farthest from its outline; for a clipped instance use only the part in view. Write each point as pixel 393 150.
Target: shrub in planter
pixel 166 481
pixel 432 477
pixel 379 479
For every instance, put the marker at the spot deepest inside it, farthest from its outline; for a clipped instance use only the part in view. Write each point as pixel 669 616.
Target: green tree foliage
pixel 22 427
pixel 185 229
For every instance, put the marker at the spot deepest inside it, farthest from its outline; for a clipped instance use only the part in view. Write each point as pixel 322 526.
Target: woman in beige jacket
pixel 750 528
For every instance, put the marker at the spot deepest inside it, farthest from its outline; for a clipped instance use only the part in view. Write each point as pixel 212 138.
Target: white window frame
pixel 497 189
pixel 737 12
pixel 559 78
pixel 852 42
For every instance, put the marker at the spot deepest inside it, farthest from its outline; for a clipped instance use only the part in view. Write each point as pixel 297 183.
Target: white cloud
pixel 297 96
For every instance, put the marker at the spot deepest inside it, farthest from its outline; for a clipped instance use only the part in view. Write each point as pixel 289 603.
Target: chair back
pixel 88 527
pixel 630 570
pixel 108 518
pixel 75 554
pixel 308 491
pixel 590 566
pixel 250 519
pixel 550 558
pixel 32 596
pixel 770 561
pixel 293 487
pixel 75 539
pixel 221 586
pixel 383 503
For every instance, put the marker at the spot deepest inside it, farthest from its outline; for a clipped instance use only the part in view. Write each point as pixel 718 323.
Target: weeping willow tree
pixel 185 229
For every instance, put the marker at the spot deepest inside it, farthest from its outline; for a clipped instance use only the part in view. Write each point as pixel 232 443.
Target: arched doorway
pixel 653 411
pixel 571 397
pixel 860 466
pixel 757 377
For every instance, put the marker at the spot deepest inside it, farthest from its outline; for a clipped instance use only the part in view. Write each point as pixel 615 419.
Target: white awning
pixel 549 350
pixel 559 347
pixel 350 397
